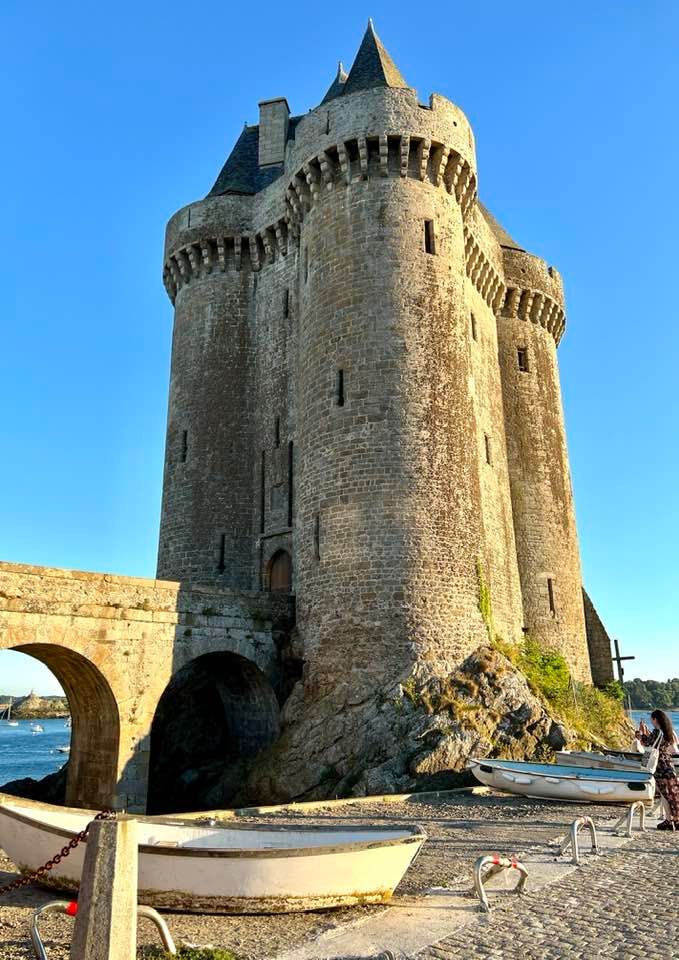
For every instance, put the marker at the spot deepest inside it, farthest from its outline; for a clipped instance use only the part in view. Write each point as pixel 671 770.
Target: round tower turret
pixel 388 525
pixel 206 521
pixel 530 327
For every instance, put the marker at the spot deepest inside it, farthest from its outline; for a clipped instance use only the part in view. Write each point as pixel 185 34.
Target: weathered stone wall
pixel 389 514
pixel 274 321
pixel 598 643
pixel 114 643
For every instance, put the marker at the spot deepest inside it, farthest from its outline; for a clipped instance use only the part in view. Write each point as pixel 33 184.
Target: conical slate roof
pixel 337 85
pixel 501 235
pixel 373 67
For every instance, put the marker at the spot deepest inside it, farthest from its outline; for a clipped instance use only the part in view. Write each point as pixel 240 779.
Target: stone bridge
pixel 130 651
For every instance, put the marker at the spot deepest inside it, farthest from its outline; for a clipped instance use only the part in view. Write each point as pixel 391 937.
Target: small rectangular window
pixel 277 431
pixel 290 481
pixel 522 359
pixel 286 303
pixel 221 563
pixel 317 536
pixel 429 239
pixel 185 446
pixel 486 440
pixel 474 331
pixel 262 493
pixel 550 593
pixel 340 388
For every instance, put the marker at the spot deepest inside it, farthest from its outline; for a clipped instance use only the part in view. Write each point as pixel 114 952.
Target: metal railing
pixel 572 838
pixel 496 863
pixel 71 908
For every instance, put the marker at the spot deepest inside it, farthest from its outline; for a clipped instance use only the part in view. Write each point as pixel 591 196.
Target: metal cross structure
pixel 618 659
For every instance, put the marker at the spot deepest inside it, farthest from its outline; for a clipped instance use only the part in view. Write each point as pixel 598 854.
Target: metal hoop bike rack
pixel 572 838
pixel 627 819
pixel 71 908
pixel 496 864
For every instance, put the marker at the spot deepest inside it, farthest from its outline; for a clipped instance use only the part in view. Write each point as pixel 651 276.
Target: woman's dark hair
pixel 664 724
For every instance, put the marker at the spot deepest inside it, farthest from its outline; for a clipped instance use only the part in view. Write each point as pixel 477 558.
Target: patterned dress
pixel 665 775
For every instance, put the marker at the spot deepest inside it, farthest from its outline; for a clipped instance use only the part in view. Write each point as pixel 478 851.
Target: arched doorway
pixel 216 714
pixel 95 735
pixel 280 572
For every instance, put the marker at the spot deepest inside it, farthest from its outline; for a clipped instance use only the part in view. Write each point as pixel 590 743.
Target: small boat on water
pixel 64 749
pixel 217 867
pixel 7 716
pixel 37 728
pixel 570 782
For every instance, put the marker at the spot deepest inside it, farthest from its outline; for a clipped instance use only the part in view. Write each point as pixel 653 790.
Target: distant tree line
pixel 653 694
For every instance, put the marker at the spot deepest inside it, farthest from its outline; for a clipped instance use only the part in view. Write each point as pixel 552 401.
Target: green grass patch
pixel 596 716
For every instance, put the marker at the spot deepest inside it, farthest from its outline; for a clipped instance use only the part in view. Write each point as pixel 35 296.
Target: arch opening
pixel 280 572
pixel 92 771
pixel 216 714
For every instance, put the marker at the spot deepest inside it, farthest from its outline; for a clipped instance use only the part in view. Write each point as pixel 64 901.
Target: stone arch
pixel 215 715
pixel 95 734
pixel 279 572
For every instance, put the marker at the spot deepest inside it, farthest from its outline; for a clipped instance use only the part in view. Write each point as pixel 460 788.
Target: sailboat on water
pixel 7 718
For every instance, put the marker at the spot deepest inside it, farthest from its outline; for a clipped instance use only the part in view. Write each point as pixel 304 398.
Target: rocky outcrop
pixel 51 789
pixel 418 735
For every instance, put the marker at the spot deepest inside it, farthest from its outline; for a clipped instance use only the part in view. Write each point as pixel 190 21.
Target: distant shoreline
pixel 34 707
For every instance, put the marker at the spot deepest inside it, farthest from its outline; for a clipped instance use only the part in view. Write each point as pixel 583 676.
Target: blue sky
pixel 116 115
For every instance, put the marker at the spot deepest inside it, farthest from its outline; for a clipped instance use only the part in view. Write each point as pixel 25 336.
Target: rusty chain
pixel 42 871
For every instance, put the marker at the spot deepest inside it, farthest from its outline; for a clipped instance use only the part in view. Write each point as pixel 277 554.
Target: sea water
pixel 27 754
pixel 645 715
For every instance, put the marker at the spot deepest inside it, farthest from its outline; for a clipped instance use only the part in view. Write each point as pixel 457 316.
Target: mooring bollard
pixel 628 818
pixel 496 864
pixel 572 838
pixel 106 921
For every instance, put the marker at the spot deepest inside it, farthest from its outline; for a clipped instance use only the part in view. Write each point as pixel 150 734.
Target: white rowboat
pixel 552 781
pixel 218 868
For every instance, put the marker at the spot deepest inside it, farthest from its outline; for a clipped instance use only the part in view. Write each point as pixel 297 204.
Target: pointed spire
pixel 337 85
pixel 373 67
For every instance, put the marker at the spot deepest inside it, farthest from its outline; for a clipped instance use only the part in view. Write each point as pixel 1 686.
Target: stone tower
pixel 364 406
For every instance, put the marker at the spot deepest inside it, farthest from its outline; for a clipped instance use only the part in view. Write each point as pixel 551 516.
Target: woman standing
pixel 665 775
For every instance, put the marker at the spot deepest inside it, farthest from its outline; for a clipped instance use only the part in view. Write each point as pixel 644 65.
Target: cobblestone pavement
pixel 622 907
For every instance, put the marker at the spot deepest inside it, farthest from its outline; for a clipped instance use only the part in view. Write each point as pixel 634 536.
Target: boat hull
pixel 564 783
pixel 265 870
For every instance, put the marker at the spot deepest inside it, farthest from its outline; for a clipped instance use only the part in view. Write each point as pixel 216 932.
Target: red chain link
pixel 42 871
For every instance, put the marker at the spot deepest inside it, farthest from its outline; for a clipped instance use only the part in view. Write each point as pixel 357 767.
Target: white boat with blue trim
pixel 569 782
pixel 222 867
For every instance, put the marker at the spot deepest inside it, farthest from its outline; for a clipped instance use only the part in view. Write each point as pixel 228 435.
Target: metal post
pixel 572 838
pixel 496 864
